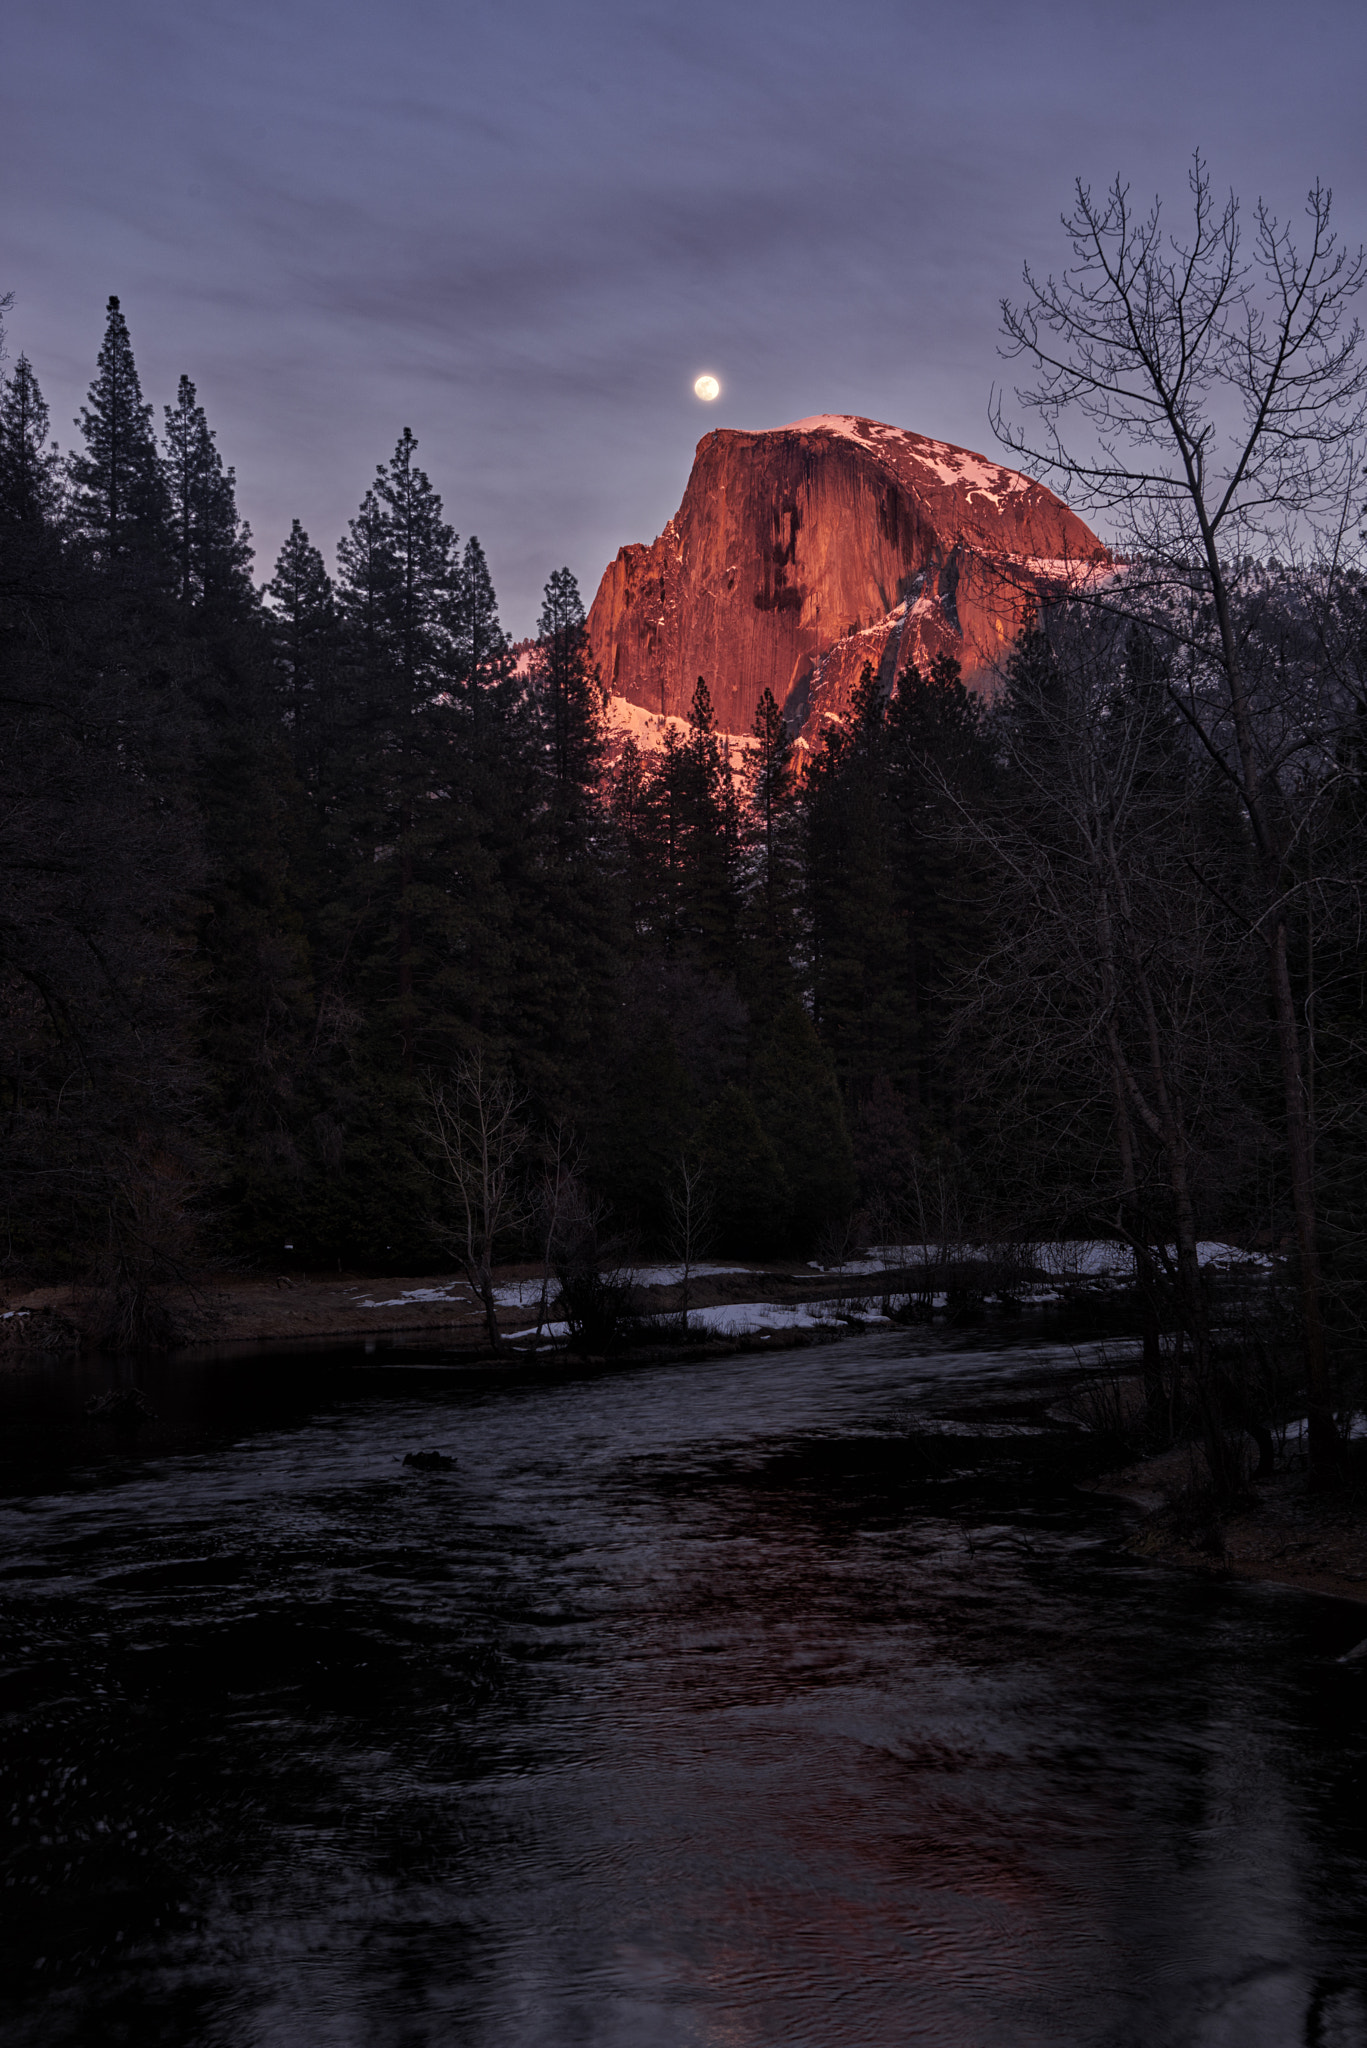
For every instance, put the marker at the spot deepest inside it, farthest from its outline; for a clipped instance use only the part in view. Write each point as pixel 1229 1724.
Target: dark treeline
pixel 277 859
pixel 277 863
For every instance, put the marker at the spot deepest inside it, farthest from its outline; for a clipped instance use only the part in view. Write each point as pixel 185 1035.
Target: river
pixel 800 1700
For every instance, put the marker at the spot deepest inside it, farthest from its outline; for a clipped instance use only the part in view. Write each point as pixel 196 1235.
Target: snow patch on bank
pixel 527 1293
pixel 744 1318
pixel 410 1296
pixel 1076 1260
pixel 739 1319
pixel 1298 1432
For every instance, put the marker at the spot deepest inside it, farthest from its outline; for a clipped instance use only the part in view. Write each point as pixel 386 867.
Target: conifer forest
pixel 295 872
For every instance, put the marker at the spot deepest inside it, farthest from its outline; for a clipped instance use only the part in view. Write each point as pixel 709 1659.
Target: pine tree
pixel 858 943
pixel 481 658
pixel 421 573
pixel 100 866
pixel 397 565
pixel 30 465
pixel 304 632
pixel 364 573
pixel 628 796
pixel 936 742
pixel 797 1098
pixel 709 836
pixel 771 792
pixel 120 500
pixel 684 839
pixel 396 579
pixel 752 1202
pixel 212 546
pixel 571 701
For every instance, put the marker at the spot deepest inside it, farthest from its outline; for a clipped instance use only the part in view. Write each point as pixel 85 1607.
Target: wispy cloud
pixel 522 229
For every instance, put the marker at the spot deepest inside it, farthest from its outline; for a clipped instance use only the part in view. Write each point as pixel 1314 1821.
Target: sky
pixel 523 229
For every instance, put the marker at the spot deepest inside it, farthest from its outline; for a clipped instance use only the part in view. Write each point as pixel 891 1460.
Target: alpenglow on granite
pixel 803 552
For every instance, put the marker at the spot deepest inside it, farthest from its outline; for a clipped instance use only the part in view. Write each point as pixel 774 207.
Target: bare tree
pixel 557 1199
pixel 1213 396
pixel 1117 1005
pixel 690 1215
pixel 476 1138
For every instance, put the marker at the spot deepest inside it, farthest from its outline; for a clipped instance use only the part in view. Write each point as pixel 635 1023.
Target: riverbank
pixel 267 1309
pixel 1281 1534
pixel 226 1308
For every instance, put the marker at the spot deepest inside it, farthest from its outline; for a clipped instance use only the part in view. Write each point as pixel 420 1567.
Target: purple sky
pixel 523 228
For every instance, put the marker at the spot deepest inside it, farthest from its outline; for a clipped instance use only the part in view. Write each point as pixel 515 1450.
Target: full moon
pixel 707 387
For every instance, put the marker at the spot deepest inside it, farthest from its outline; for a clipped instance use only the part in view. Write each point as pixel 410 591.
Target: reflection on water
pixel 727 1703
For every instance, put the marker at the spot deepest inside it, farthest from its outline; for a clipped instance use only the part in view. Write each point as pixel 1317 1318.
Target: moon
pixel 707 388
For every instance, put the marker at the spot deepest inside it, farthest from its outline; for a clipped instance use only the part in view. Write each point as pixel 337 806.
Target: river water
pixel 798 1700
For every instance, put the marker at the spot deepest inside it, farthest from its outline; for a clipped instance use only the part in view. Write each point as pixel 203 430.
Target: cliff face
pixel 801 553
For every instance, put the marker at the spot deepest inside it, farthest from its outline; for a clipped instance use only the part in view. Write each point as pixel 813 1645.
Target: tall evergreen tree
pixel 698 842
pixel 364 572
pixel 212 545
pixel 858 944
pixel 796 1095
pixel 752 1199
pixel 397 566
pixel 30 465
pixel 571 702
pixel 680 821
pixel 628 794
pixel 771 791
pixel 481 657
pixel 420 549
pixel 937 742
pixel 100 864
pixel 120 501
pixel 304 633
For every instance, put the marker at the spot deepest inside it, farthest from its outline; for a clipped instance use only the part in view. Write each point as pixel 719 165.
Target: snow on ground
pixel 670 1276
pixel 741 1318
pixel 524 1293
pixel 456 1291
pixel 527 1293
pixel 933 1425
pixel 1297 1432
pixel 1076 1260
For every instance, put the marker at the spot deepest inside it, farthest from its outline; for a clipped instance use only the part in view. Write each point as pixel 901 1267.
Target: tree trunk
pixel 1324 1445
pixel 484 1287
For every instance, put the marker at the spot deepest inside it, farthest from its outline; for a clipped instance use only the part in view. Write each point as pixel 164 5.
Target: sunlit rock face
pixel 801 553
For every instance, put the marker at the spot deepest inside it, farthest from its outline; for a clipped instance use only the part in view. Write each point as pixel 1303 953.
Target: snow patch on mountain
pixel 960 468
pixel 648 729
